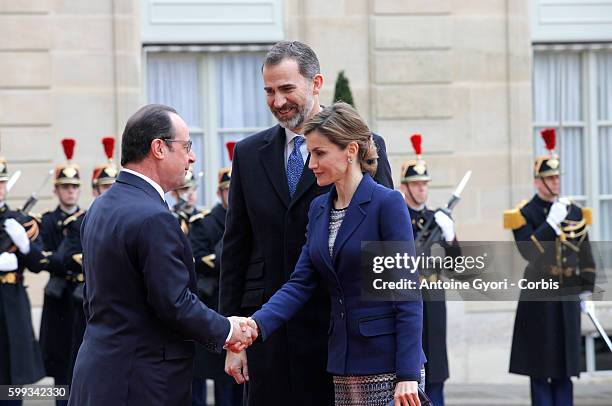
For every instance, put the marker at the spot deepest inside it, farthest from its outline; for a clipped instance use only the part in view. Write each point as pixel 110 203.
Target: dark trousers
pixel 552 392
pixel 435 391
pixel 227 393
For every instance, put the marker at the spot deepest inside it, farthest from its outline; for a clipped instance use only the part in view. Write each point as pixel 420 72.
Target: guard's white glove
pixel 18 235
pixel 8 262
pixel 446 224
pixel 586 304
pixel 558 213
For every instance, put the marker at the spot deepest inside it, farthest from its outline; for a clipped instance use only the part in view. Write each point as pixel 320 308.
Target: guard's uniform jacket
pixel 73 262
pixel 20 357
pixel 434 304
pixel 56 321
pixel 546 340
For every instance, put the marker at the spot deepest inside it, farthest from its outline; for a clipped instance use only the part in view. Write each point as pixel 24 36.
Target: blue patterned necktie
pixel 295 165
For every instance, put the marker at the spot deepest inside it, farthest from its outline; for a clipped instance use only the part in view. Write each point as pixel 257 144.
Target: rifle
pixel 430 233
pixel 33 199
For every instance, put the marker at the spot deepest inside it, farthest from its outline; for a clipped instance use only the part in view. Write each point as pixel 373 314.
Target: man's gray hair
pixel 308 63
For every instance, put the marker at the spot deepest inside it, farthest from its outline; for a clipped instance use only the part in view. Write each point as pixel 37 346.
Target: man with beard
pixel 269 197
pixel 56 321
pixel 415 187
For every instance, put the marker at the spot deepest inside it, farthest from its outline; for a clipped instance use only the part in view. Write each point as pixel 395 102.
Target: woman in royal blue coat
pixel 374 351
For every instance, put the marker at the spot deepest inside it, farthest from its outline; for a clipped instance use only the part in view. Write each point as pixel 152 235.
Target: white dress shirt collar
pixel 148 180
pixel 289 136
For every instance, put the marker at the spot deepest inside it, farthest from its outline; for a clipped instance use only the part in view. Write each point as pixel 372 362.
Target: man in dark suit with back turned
pixel 141 310
pixel 270 193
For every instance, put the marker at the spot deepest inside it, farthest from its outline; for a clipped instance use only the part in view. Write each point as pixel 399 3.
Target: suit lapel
pixel 355 214
pixel 321 231
pixel 272 156
pixel 307 180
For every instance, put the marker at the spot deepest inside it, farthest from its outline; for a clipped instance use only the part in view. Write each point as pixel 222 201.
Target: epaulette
pixel 513 218
pixel 41 214
pixel 201 214
pixel 74 217
pixel 587 215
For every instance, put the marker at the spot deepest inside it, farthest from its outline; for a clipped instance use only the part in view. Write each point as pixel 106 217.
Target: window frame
pixel 213 155
pixel 590 124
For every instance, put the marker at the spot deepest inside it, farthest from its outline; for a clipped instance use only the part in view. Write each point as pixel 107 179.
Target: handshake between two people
pixel 244 332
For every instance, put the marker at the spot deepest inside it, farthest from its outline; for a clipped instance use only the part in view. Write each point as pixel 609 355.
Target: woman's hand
pixel 406 394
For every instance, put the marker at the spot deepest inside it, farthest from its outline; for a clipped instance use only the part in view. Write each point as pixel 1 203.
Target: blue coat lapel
pixel 322 232
pixel 354 215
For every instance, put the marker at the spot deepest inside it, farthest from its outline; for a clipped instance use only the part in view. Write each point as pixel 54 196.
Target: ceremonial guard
pixel 103 177
pixel 56 322
pixel 551 234
pixel 415 187
pixel 184 207
pixel 205 235
pixel 20 248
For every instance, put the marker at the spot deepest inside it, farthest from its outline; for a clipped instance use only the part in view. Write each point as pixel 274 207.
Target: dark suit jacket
pixel 142 315
pixel 265 231
pixel 366 337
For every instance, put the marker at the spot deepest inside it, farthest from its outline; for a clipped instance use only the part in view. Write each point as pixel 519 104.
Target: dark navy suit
pixel 366 337
pixel 142 315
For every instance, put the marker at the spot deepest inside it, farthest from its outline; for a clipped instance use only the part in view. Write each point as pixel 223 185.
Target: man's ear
pixel 317 82
pixel 157 149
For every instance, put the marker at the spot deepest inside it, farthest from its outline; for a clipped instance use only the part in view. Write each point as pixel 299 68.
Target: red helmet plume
pixel 416 139
pixel 230 149
pixel 68 145
pixel 109 147
pixel 550 138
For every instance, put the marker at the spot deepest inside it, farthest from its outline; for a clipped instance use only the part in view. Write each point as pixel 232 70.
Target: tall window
pixel 572 91
pixel 219 93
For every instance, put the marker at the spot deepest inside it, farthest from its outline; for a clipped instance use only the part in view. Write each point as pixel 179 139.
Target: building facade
pixel 477 78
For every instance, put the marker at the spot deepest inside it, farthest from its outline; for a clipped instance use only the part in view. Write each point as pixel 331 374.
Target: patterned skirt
pixel 367 390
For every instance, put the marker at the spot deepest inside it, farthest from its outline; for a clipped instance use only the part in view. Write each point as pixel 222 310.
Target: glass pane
pixel 240 95
pixel 604 88
pixel 557 86
pixel 570 147
pixel 173 79
pixel 605 155
pixel 605 211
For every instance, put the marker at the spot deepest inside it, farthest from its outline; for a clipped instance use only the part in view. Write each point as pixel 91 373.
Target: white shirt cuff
pixel 229 336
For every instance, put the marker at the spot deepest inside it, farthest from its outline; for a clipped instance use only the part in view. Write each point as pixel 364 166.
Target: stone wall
pixel 68 68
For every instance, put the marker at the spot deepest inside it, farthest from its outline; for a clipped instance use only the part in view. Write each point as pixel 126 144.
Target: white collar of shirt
pixel 289 136
pixel 148 180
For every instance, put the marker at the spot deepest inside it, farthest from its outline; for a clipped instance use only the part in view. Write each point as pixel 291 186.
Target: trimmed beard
pixel 300 117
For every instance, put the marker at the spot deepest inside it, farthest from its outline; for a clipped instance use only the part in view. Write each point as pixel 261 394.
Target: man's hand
pixel 243 334
pixel 236 366
pixel 18 235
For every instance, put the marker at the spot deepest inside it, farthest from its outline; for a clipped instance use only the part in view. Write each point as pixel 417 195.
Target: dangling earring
pixel 350 160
